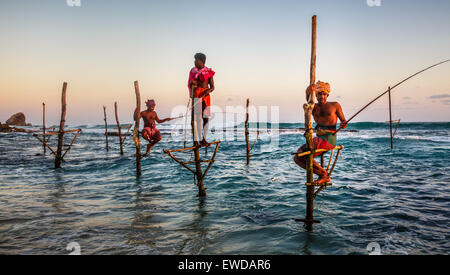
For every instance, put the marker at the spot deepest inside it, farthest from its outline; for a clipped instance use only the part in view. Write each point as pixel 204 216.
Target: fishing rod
pixel 409 77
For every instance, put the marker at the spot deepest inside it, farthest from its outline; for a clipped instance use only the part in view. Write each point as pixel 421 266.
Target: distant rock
pixel 17 120
pixel 4 128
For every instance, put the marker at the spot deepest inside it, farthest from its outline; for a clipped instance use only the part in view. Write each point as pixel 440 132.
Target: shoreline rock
pixel 4 128
pixel 18 119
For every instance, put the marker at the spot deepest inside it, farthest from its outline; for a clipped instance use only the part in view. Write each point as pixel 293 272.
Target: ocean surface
pixel 396 199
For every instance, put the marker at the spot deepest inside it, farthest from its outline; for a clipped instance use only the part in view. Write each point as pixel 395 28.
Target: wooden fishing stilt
pixel 58 158
pixel 44 140
pixel 71 143
pixel 321 186
pixel 45 143
pixel 247 133
pixel 127 133
pixel 119 128
pixel 309 154
pixel 43 125
pixel 199 175
pixel 198 166
pixel 390 118
pixel 308 108
pixel 136 130
pixel 59 152
pixel 106 128
pixel 184 164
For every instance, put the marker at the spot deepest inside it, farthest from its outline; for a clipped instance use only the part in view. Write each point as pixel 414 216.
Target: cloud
pixel 229 99
pixel 407 97
pixel 439 96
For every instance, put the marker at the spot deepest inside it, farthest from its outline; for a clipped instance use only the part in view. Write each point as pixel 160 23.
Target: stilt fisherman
pixel 325 115
pixel 201 79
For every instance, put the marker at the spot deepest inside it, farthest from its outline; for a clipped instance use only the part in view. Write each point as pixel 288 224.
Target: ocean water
pixel 397 198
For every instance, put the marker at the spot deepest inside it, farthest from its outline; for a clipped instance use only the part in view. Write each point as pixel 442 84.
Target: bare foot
pixel 204 143
pixel 149 147
pixel 322 179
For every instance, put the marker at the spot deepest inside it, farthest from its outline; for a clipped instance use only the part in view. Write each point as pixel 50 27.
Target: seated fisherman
pixel 150 133
pixel 201 78
pixel 325 115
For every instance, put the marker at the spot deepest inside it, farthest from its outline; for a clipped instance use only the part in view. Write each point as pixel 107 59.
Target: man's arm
pixel 135 116
pixel 162 120
pixel 211 87
pixel 309 90
pixel 340 115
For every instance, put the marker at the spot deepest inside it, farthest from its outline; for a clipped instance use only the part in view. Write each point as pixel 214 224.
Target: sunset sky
pixel 259 50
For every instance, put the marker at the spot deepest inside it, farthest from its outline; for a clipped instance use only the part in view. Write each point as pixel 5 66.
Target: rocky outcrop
pixel 4 128
pixel 17 120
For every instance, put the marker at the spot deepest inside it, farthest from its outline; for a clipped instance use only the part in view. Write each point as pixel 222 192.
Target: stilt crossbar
pixel 185 163
pixel 329 171
pixel 44 142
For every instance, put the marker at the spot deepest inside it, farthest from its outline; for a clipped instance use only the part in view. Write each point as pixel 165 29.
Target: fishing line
pixel 409 77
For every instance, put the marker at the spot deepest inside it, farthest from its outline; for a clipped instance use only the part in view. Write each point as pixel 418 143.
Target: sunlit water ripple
pixel 399 199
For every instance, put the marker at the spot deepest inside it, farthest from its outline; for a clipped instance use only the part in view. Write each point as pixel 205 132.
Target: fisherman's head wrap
pixel 150 103
pixel 322 87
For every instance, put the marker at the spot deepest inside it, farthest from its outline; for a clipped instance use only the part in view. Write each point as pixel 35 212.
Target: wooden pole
pixel 308 108
pixel 396 127
pixel 43 125
pixel 136 130
pixel 198 166
pixel 390 118
pixel 58 158
pixel 106 128
pixel 70 145
pixel 247 133
pixel 119 128
pixel 45 143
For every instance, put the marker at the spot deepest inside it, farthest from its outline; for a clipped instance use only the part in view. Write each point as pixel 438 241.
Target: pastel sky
pixel 259 50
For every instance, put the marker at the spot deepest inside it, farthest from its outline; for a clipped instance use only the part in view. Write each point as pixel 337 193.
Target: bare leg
pixel 147 138
pixel 205 131
pixel 317 169
pixel 150 146
pixel 323 174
